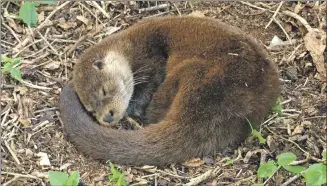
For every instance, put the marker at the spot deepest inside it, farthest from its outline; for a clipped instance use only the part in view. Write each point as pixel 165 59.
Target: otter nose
pixel 109 117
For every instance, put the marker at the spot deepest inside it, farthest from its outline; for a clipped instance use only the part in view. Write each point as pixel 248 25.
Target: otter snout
pixel 109 117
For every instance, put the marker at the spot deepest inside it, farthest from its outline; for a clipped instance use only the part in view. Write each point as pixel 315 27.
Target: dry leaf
pixel 112 29
pixel 22 90
pixel 44 159
pixel 197 14
pixel 298 130
pixel 14 26
pixel 65 166
pixel 25 123
pixel 83 19
pixel 196 162
pixel 67 25
pixel 53 65
pixel 40 17
pixel 315 42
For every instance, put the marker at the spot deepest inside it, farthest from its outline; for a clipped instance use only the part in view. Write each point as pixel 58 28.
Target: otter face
pixel 105 87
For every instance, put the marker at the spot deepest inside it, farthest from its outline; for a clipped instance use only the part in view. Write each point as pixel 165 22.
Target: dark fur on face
pixel 197 80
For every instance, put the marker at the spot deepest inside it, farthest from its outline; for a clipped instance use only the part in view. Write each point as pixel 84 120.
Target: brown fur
pixel 206 79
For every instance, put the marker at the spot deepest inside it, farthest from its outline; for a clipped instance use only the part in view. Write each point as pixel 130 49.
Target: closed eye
pixel 103 92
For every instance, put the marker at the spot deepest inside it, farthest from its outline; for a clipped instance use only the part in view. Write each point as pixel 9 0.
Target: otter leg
pixel 161 100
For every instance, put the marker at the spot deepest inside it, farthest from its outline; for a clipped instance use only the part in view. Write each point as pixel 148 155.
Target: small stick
pixel 34 86
pixel 44 24
pixel 280 26
pixel 45 40
pixel 273 17
pixel 161 6
pixel 12 32
pixel 12 153
pixel 101 9
pixel 20 175
pixel 301 19
pixel 291 180
pixel 205 176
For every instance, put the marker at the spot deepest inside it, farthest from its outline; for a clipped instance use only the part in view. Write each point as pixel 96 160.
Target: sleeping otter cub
pixel 195 81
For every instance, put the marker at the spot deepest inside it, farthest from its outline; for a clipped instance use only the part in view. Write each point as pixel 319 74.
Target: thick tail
pixel 154 145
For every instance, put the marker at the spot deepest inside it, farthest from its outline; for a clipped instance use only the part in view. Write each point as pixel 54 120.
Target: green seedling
pixel 61 179
pixel 10 66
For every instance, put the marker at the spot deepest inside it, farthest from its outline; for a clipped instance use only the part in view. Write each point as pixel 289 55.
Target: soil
pixel 31 128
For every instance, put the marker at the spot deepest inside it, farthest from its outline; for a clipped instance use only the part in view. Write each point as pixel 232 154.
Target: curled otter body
pixel 196 81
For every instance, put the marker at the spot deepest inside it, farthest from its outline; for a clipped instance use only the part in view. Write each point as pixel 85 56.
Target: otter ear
pixel 98 64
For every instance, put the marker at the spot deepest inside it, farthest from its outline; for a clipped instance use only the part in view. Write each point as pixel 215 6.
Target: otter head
pixel 104 85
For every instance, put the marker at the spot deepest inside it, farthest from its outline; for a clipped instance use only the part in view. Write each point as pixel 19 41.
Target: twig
pixel 301 19
pixel 179 12
pixel 101 9
pixel 251 5
pixel 205 176
pixel 34 86
pixel 12 153
pixel 12 32
pixel 20 175
pixel 161 6
pixel 273 17
pixel 44 24
pixel 45 40
pixel 291 180
pixel 280 26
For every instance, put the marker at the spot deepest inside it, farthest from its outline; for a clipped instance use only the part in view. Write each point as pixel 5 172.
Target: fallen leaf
pixel 112 29
pixel 315 42
pixel 14 26
pixel 275 41
pixel 22 90
pixel 41 17
pixel 53 65
pixel 83 19
pixel 67 25
pixel 65 166
pixel 25 123
pixel 196 162
pixel 44 159
pixel 197 14
pixel 298 130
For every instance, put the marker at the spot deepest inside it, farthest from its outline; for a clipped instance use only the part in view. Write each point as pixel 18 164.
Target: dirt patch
pixel 29 112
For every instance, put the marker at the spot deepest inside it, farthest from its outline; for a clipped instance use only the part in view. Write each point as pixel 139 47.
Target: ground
pixel 30 123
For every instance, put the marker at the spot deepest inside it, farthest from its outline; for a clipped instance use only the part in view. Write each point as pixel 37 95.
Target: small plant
pixel 278 107
pixel 315 175
pixel 257 134
pixel 27 11
pixel 11 66
pixel 61 179
pixel 117 178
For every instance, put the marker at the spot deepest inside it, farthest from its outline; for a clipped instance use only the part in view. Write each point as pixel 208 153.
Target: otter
pixel 196 82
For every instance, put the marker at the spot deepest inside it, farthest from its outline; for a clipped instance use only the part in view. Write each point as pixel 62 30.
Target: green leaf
pixel 277 108
pixel 286 158
pixel 121 181
pixel 73 179
pixel 315 175
pixel 267 169
pixel 229 161
pixel 257 184
pixel 7 67
pixel 324 155
pixel 5 59
pixel 35 3
pixel 294 169
pixel 27 13
pixel 57 178
pixel 258 135
pixel 117 177
pixel 16 74
pixel 49 1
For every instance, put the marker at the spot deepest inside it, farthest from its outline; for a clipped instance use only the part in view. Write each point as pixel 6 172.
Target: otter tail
pixel 159 144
